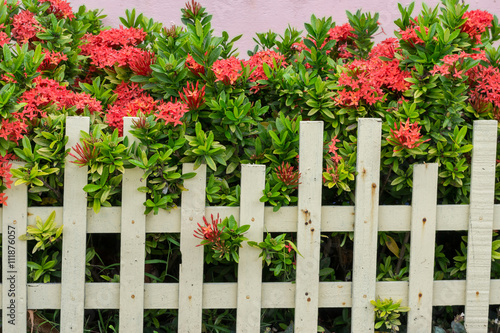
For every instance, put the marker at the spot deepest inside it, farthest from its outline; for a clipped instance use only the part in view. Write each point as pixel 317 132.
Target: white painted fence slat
pixel 191 268
pixel 366 224
pixel 423 236
pixel 14 256
pixel 74 233
pixel 482 195
pixel 132 248
pixel 277 295
pixel 253 178
pixel 334 218
pixel 309 226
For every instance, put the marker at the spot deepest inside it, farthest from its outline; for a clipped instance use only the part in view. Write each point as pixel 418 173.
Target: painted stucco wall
pixel 250 16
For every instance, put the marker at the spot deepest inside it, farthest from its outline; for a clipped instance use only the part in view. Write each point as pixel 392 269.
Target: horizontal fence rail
pixel 249 295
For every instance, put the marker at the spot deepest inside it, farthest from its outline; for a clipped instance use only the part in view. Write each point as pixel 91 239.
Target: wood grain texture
pixel 366 224
pixel 191 269
pixel 132 247
pixel 334 218
pixel 482 194
pixel 74 233
pixel 253 178
pixel 309 226
pixel 423 236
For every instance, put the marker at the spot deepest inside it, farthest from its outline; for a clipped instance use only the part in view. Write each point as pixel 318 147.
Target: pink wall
pixel 249 16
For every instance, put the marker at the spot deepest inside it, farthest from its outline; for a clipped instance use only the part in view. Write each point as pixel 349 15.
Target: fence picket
pixel 191 269
pixel 423 235
pixel 253 179
pixel 14 255
pixel 366 224
pixel 132 247
pixel 74 233
pixel 309 226
pixel 482 194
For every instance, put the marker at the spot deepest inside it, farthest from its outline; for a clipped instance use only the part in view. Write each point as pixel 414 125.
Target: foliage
pixel 387 313
pixel 279 254
pixel 197 102
pixel 221 238
pixel 45 234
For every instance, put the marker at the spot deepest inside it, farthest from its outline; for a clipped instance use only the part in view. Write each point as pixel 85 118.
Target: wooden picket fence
pixel 249 295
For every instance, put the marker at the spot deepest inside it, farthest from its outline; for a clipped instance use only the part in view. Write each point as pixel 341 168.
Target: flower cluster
pixel 193 96
pixel 171 112
pixel 288 175
pixel 25 26
pixel 483 80
pixel 210 232
pixel 84 154
pixel 4 38
pixel 257 61
pixel 140 61
pixel 230 70
pixel 485 90
pixel 12 129
pixel 410 36
pixel 407 136
pixel 133 100
pixel 193 66
pixel 343 34
pixel 60 8
pixel 331 173
pixel 5 176
pixel 227 70
pixel 364 81
pixel 476 24
pixel 117 46
pixel 51 60
pixel 223 238
pixel 48 92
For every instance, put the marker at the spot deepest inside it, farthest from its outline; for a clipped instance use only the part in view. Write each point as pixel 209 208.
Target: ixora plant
pixel 387 313
pixel 222 238
pixel 198 102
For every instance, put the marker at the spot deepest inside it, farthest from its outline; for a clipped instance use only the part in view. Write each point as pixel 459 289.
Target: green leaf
pixel 89 188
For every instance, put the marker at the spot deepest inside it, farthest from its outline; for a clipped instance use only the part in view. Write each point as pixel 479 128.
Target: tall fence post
pixel 253 178
pixel 366 224
pixel 423 235
pixel 191 269
pixel 74 233
pixel 14 256
pixel 133 242
pixel 309 226
pixel 482 195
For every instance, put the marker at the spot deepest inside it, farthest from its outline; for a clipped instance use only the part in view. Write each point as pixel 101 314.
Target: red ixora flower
pixel 193 66
pixel 85 154
pixel 287 174
pixel 171 112
pixel 60 8
pixel 141 63
pixel 476 24
pixel 227 70
pixel 192 10
pixel 193 96
pixel 25 26
pixel 406 136
pixel 209 232
pixel 4 38
pixel 5 176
